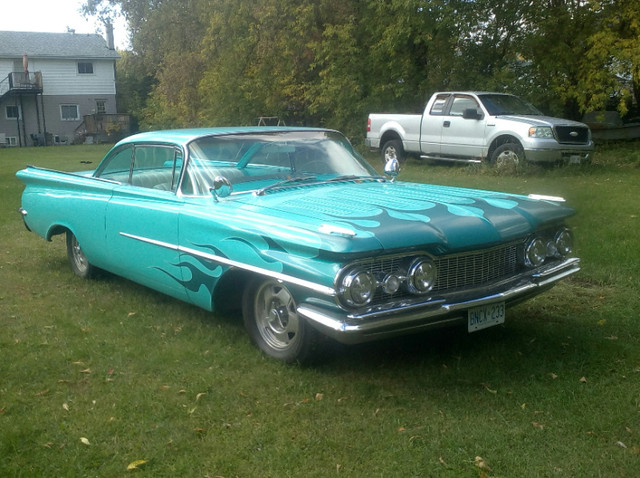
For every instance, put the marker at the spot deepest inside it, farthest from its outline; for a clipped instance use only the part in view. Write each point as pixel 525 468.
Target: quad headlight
pixel 422 275
pixel 563 242
pixel 358 288
pixel 538 249
pixel 360 283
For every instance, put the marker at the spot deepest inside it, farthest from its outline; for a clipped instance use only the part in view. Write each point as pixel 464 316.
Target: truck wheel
pixel 392 149
pixel 507 156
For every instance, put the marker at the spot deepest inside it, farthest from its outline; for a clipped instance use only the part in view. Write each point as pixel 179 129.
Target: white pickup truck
pixel 479 126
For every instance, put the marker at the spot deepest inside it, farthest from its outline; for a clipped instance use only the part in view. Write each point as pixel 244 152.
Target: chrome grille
pixel 476 268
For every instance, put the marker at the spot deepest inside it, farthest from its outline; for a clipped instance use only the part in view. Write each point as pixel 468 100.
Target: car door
pixel 463 137
pixel 142 220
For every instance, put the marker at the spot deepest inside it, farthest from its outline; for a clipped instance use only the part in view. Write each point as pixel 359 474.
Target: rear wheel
pixel 392 149
pixel 272 321
pixel 78 261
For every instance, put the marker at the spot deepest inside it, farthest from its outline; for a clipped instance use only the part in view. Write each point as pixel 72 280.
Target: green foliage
pixel 331 62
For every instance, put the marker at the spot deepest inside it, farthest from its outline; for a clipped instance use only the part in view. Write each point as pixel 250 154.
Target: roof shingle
pixel 54 45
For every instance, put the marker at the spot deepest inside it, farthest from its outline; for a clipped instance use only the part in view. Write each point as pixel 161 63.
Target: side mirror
pixel 472 113
pixel 222 188
pixel 392 168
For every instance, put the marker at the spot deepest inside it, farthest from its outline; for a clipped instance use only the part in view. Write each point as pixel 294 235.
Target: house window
pixel 69 113
pixel 12 112
pixel 101 107
pixel 12 141
pixel 85 68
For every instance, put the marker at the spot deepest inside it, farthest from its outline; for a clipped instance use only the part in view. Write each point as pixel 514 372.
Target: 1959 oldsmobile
pixel 295 227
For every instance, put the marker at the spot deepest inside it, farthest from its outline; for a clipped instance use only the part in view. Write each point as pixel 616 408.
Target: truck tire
pixel 507 156
pixel 392 149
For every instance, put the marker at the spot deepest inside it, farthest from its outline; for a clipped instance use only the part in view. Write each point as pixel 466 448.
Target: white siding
pixel 61 77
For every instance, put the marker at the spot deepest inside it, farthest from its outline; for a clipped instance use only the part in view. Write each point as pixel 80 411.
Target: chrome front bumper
pixel 434 313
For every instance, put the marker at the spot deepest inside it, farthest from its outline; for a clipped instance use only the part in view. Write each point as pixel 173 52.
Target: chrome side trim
pixel 329 291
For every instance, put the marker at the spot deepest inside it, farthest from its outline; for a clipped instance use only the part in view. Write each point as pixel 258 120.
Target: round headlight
pixel 564 242
pixel 358 288
pixel 422 276
pixel 535 253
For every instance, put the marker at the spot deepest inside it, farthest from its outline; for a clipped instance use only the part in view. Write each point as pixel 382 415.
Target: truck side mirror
pixel 472 113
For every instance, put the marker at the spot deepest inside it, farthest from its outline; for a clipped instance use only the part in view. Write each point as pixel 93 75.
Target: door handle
pixel 446 124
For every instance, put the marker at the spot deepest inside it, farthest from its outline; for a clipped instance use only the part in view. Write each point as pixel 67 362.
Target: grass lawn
pixel 100 376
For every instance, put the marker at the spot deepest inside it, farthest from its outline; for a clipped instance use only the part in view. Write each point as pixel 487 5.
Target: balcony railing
pixel 21 82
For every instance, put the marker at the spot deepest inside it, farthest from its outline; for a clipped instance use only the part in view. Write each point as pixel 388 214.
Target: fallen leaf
pixel 620 444
pixel 131 314
pixel 85 441
pixel 86 370
pixel 486 386
pixel 65 406
pixel 200 395
pixel 442 462
pixel 583 380
pixel 319 396
pixel 553 376
pixel 538 425
pixel 134 465
pixel 480 463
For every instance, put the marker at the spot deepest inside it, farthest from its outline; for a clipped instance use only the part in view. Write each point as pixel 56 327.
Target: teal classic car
pixel 294 228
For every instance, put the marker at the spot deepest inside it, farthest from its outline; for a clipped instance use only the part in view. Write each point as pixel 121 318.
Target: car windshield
pixel 258 162
pixel 507 105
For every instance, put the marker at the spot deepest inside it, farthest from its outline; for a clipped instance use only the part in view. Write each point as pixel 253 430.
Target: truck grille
pixel 572 134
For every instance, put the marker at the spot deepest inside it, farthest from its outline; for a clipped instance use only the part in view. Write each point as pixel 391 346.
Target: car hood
pixel 536 120
pixel 373 215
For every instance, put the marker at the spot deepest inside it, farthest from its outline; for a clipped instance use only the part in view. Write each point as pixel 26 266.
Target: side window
pixel 156 167
pixel 439 103
pixel 116 166
pixel 461 103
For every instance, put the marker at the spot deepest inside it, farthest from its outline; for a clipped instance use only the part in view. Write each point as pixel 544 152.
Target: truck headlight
pixel 541 132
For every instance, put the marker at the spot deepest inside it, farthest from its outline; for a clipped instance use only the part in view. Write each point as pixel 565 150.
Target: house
pixel 57 88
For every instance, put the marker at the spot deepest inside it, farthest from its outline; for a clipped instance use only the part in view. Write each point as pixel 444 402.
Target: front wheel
pixel 78 261
pixel 392 149
pixel 507 156
pixel 272 321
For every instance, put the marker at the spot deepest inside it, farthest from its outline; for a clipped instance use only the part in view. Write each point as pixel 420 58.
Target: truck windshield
pixel 507 105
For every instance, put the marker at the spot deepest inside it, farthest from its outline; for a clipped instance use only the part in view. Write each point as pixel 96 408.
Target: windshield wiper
pixel 285 183
pixel 353 177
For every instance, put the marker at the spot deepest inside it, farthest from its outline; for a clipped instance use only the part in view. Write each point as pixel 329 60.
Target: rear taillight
pixel 368 124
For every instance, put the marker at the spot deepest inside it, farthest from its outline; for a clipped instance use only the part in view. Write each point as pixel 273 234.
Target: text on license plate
pixel 486 316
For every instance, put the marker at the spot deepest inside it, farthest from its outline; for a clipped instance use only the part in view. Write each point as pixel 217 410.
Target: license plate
pixel 486 316
pixel 575 159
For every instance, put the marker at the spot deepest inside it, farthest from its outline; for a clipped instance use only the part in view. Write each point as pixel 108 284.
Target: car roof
pixel 185 136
